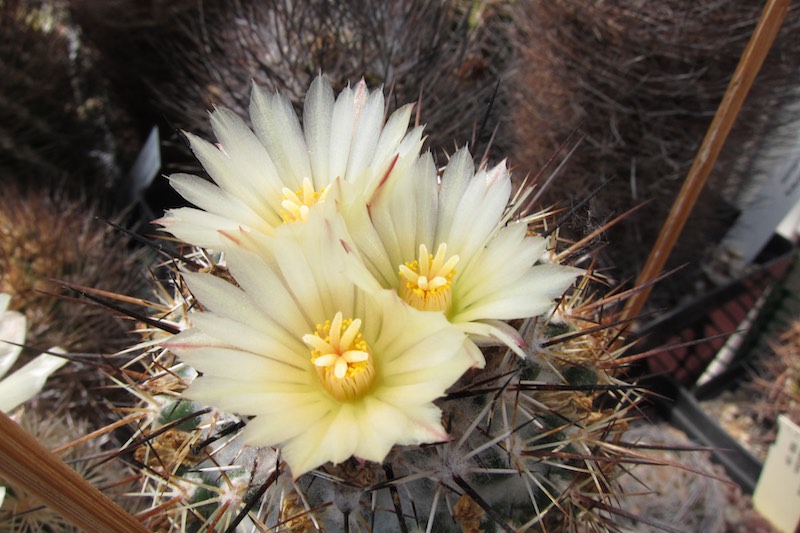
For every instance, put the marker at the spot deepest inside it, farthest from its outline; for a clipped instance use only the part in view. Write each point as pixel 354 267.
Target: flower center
pixel 426 283
pixel 296 204
pixel 342 358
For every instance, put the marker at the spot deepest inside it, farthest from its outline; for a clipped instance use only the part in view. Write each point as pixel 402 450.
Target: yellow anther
pixel 295 205
pixel 426 283
pixel 342 358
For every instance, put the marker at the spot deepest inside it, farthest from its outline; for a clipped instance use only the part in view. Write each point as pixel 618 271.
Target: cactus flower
pixel 445 243
pixel 280 171
pixel 26 382
pixel 327 369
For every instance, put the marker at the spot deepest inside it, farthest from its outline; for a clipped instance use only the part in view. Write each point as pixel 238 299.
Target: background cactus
pixel 49 239
pixel 448 55
pixel 641 86
pixel 59 128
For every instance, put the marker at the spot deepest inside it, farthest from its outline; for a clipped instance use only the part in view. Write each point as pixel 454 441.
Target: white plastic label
pixel 146 166
pixel 777 494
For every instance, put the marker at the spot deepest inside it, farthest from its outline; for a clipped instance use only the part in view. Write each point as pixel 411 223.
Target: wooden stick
pixel 750 63
pixel 29 465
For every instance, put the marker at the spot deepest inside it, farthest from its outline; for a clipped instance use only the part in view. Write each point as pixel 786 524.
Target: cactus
pixel 50 240
pixel 435 50
pixel 776 383
pixel 642 86
pixel 57 119
pixel 533 444
pixel 533 438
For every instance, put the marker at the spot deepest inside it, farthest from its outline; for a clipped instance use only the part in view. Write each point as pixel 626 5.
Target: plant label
pixel 146 166
pixel 777 494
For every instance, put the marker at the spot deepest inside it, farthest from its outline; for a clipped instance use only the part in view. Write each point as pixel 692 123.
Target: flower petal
pixel 381 425
pixel 26 382
pixel 243 366
pixel 277 127
pixel 225 173
pixel 12 330
pixel 425 425
pixel 393 133
pixel 256 399
pixel 267 338
pixel 342 124
pixel 493 331
pixel 317 128
pixel 250 161
pixel 257 278
pixel 508 257
pixel 455 180
pixel 531 296
pixel 479 211
pixel 391 336
pixel 329 439
pixel 221 297
pixel 197 227
pixel 366 135
pixel 214 200
pixel 290 425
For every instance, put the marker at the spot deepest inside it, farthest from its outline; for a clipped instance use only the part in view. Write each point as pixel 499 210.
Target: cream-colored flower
pixel 329 370
pixel 26 382
pixel 12 334
pixel 278 173
pixel 446 244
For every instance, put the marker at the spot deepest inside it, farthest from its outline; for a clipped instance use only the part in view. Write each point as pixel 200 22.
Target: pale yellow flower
pixel 328 369
pixel 446 243
pixel 280 171
pixel 27 381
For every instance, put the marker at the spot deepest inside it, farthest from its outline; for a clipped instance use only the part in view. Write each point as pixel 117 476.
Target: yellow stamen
pixel 295 205
pixel 427 282
pixel 342 358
